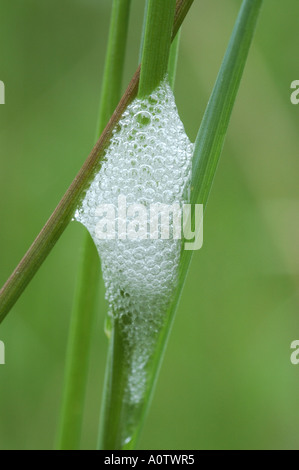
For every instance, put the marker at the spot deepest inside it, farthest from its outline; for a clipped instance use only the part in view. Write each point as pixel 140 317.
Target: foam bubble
pixel 148 161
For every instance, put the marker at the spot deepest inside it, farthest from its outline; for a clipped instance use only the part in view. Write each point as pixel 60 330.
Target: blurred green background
pixel 227 381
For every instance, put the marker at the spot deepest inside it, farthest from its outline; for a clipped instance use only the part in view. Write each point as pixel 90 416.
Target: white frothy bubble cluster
pixel 148 161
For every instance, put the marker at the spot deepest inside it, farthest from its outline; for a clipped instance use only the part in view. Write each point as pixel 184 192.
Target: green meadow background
pixel 227 381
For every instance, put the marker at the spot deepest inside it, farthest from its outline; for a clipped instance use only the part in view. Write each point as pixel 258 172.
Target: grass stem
pixel 156 47
pixel 83 314
pixel 77 362
pixel 173 59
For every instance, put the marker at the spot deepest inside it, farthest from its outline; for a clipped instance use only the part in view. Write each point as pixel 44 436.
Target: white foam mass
pixel 148 161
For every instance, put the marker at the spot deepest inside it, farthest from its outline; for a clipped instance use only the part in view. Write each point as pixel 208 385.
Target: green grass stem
pixel 84 308
pixel 173 59
pixel 77 361
pixel 156 45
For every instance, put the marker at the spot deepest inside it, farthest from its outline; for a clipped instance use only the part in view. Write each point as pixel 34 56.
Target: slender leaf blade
pixel 213 129
pixel 209 144
pixel 157 41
